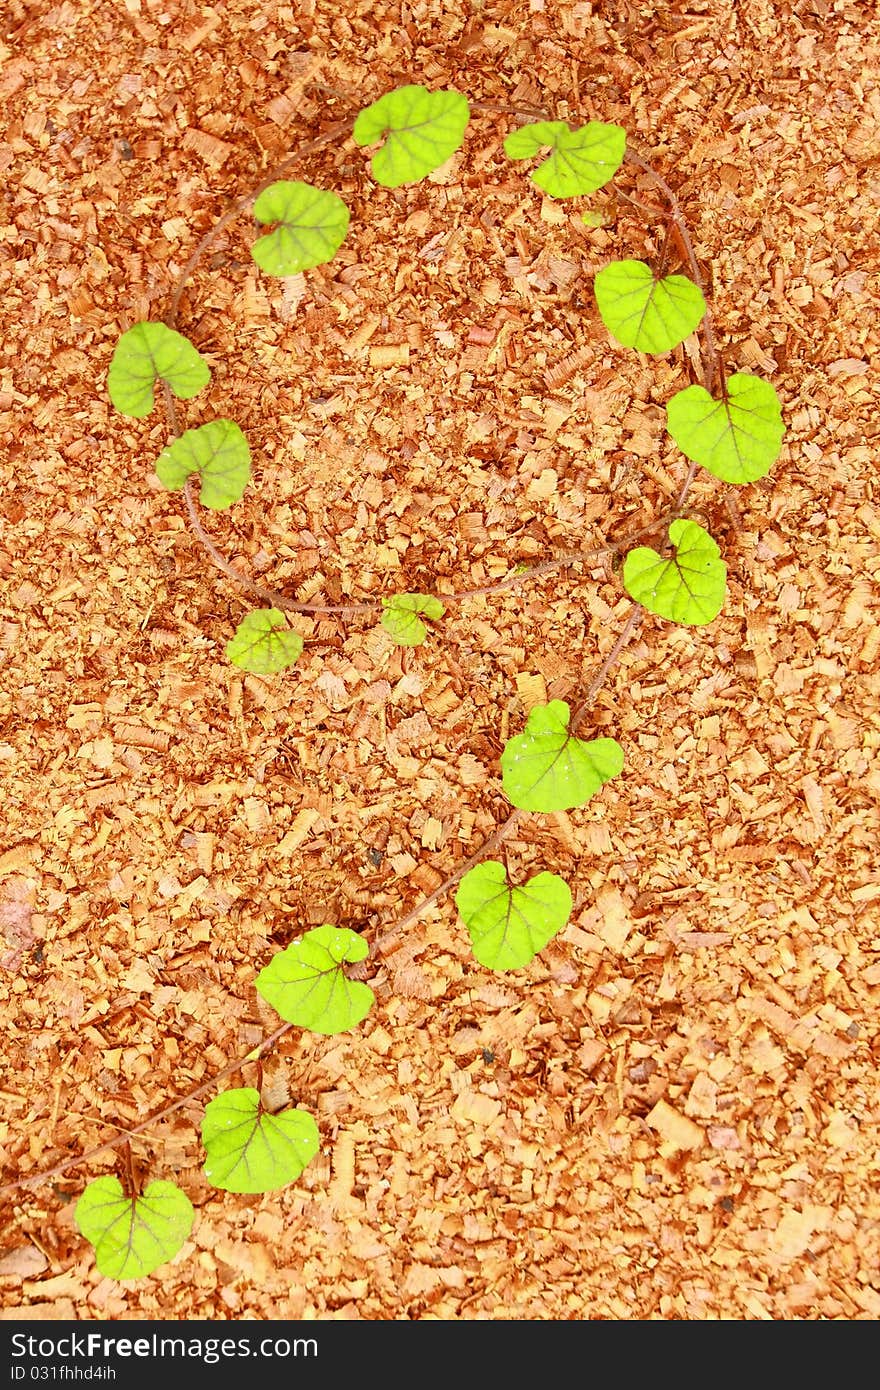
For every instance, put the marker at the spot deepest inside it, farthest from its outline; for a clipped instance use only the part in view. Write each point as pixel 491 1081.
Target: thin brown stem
pixel 132 1181
pixel 335 132
pixel 39 1178
pixel 626 632
pixel 500 833
pixel 712 364
pixel 686 487
pixel 506 827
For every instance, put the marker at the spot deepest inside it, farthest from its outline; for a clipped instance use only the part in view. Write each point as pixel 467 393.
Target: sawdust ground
pixel 673 1112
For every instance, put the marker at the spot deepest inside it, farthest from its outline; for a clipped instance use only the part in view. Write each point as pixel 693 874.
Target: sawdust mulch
pixel 673 1112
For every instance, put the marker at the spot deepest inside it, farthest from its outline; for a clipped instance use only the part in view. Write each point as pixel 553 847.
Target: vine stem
pixel 506 827
pixel 636 614
pixel 383 944
pixel 126 1135
pixel 711 367
pixel 341 128
pixel 711 364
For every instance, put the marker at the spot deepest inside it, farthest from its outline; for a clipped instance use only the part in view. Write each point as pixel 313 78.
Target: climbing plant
pixel 734 434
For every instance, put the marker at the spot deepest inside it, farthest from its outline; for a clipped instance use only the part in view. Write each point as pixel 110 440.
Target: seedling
pixel 311 228
pixel 249 1150
pixel 644 312
pixel 686 588
pixel 151 352
pixel 401 620
pixel 133 1235
pixel 306 984
pixel 547 767
pixel 582 161
pixel 738 438
pixel 508 926
pixel 263 643
pixel 218 452
pixel 421 130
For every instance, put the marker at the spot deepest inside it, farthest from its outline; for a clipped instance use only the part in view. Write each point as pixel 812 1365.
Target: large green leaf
pixel 582 160
pixel 547 769
pixel 643 312
pixel 737 438
pixel 423 129
pixel 688 588
pixel 306 983
pixel 508 926
pixel 249 1150
pixel 263 643
pixel 133 1236
pixel 149 352
pixel 312 224
pixel 401 617
pixel 218 452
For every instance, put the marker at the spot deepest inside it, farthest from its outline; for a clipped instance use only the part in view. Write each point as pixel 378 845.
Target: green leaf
pixel 582 160
pixel 643 312
pixel 263 643
pixel 423 129
pixel 307 986
pixel 249 1150
pixel 508 926
pixel 312 224
pixel 149 352
pixel 689 588
pixel 133 1236
pixel 547 769
pixel 218 452
pixel 737 438
pixel 401 621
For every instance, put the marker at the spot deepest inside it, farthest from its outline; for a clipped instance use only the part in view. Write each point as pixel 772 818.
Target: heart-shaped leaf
pixel 263 643
pixel 423 129
pixel 688 588
pixel 306 983
pixel 147 353
pixel 508 926
pixel 547 769
pixel 312 224
pixel 218 452
pixel 737 438
pixel 582 160
pixel 401 617
pixel 133 1236
pixel 249 1150
pixel 643 312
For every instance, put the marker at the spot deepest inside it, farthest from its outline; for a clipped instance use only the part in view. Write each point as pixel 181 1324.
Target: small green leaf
pixel 737 438
pixel 249 1150
pixel 312 224
pixel 547 769
pixel 423 129
pixel 527 140
pixel 508 926
pixel 401 621
pixel 133 1236
pixel 689 588
pixel 147 353
pixel 218 452
pixel 307 986
pixel 263 643
pixel 643 312
pixel 582 160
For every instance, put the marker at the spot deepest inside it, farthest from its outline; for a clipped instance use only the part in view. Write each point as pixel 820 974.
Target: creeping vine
pixel 735 434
